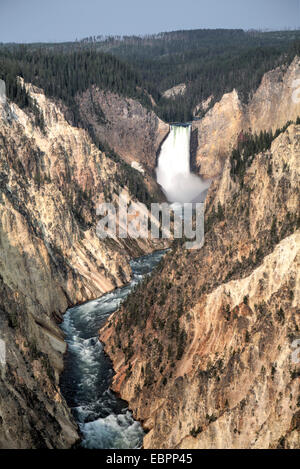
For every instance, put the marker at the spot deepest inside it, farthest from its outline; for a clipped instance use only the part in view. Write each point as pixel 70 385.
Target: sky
pixel 67 20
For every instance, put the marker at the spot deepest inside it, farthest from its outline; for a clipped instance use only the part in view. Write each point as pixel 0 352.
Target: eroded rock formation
pixel 273 104
pixel 177 90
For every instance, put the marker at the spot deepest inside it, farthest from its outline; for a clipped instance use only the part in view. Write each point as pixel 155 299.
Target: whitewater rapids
pixel 104 420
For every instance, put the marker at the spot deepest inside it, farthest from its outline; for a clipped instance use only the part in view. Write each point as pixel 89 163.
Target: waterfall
pixel 173 170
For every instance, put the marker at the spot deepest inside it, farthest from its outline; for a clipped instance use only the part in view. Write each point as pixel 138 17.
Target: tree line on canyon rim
pixel 210 62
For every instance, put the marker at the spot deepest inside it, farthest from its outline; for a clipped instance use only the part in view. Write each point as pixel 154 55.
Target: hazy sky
pixel 61 20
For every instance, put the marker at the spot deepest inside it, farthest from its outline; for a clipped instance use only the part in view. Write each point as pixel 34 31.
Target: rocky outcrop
pixel 217 133
pixel 203 352
pixel 273 104
pixel 178 90
pixel 33 413
pixel 276 101
pixel 203 106
pixel 52 178
pixel 132 131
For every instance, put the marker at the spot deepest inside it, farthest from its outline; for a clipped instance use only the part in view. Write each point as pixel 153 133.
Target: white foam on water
pixel 104 420
pixel 115 432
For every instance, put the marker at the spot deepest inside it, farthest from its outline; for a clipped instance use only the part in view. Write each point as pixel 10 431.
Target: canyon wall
pixel 275 102
pixel 203 351
pixel 52 178
pixel 132 131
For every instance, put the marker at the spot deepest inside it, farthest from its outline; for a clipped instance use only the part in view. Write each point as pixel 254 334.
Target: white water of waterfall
pixel 173 170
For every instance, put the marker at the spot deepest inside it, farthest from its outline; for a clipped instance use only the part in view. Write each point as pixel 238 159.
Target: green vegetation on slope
pixel 209 62
pixel 63 75
pixel 250 145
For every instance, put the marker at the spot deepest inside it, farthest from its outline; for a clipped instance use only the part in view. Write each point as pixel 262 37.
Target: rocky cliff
pixel 52 178
pixel 275 102
pixel 203 351
pixel 132 131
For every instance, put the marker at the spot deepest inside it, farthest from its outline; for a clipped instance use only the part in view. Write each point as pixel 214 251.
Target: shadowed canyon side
pixel 132 131
pixel 52 177
pixel 270 108
pixel 202 351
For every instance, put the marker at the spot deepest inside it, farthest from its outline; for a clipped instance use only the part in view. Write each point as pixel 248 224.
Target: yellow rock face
pixel 217 132
pixel 51 180
pixel 275 102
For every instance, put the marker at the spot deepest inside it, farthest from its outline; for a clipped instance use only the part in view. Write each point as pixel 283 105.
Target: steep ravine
pixel 203 350
pixel 52 176
pixel 104 419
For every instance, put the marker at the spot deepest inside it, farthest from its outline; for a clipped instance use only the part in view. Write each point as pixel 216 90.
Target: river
pixel 104 420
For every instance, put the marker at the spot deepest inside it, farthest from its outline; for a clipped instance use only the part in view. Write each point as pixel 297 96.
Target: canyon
pixel 183 343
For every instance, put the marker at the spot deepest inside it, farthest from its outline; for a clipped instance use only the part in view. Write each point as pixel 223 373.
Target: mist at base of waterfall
pixel 173 170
